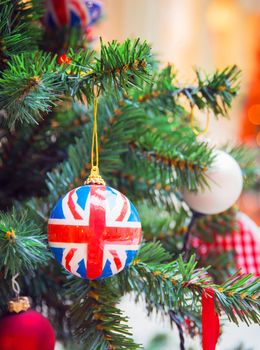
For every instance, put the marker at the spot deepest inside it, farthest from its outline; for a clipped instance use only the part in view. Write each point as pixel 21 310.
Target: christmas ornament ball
pixel 225 182
pixel 27 330
pixel 94 231
pixel 72 13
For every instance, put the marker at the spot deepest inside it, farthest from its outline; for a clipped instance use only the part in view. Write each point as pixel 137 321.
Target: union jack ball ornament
pixel 94 231
pixel 72 13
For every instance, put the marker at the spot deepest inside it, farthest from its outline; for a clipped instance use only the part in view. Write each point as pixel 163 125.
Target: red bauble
pixel 27 330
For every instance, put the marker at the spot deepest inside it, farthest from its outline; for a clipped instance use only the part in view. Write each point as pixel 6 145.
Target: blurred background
pixel 208 34
pixel 204 33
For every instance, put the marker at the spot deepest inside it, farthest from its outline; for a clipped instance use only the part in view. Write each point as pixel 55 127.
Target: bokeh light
pixel 254 114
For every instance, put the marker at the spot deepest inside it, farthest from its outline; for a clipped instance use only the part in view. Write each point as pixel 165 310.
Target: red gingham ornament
pixel 245 242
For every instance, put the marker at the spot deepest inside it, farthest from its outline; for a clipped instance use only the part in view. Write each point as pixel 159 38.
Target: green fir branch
pixel 179 284
pixel 119 66
pixel 218 90
pixel 147 150
pixel 37 87
pixel 212 92
pixel 18 30
pixel 165 224
pixel 96 322
pixel 184 165
pixel 39 81
pixel 22 244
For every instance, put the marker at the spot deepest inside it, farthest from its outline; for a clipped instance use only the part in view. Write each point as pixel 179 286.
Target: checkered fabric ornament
pixel 245 242
pixel 94 231
pixel 72 13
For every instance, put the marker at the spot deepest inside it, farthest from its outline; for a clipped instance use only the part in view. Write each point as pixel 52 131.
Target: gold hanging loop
pixel 94 177
pixel 194 129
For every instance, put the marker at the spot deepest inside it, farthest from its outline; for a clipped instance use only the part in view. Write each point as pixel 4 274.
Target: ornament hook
pixel 15 286
pixel 19 303
pixel 194 129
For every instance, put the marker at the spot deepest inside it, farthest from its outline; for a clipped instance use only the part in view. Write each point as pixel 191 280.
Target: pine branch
pixel 156 160
pixel 37 87
pixel 96 322
pixel 179 284
pixel 18 147
pixel 73 172
pixel 119 66
pixel 39 82
pixel 18 32
pixel 214 92
pixel 123 63
pixel 162 146
pixel 121 137
pixel 135 185
pixel 217 90
pixel 22 245
pixel 238 297
pixel 164 224
pixel 184 166
pixel 43 145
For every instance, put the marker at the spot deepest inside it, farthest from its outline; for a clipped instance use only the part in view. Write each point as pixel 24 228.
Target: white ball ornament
pixel 225 182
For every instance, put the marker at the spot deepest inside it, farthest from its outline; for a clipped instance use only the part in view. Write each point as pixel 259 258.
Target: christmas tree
pixel 53 90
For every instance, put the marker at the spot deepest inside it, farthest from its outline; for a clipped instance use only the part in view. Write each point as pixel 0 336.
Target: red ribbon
pixel 210 321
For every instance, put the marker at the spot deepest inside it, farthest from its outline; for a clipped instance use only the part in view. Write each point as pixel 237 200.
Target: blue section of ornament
pixel 82 193
pixel 130 256
pixel 82 269
pixel 57 211
pixel 107 272
pixel 58 253
pixel 134 216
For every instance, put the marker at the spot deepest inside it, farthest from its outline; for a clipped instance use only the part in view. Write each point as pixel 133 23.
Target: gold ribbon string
pixel 94 145
pixel 194 129
pixel 94 177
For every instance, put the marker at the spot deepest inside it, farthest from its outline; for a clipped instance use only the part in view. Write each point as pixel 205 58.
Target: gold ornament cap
pixel 19 304
pixel 94 177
